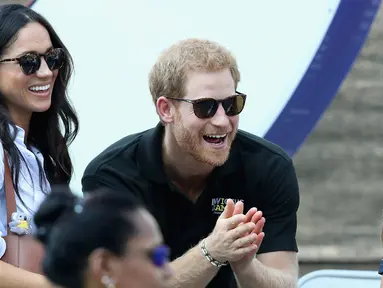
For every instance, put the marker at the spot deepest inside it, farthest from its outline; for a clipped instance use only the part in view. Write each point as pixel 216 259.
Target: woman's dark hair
pixel 71 228
pixel 44 131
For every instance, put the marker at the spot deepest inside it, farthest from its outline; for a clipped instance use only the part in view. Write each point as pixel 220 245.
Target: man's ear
pixel 165 109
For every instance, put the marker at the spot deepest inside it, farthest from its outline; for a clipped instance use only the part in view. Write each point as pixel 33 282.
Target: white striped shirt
pixel 28 185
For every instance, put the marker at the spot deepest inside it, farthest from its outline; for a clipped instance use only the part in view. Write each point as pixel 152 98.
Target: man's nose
pixel 220 118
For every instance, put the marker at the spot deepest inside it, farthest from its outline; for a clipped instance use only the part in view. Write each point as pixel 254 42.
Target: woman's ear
pixel 104 266
pixel 165 109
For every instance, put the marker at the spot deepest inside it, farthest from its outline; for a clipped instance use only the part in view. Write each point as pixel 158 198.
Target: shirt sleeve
pixel 279 206
pixel 99 180
pixel 108 178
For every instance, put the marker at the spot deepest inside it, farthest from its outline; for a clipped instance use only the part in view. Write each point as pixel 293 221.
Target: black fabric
pixel 258 172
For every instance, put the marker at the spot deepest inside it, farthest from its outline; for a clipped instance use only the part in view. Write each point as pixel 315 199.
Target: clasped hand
pixel 236 236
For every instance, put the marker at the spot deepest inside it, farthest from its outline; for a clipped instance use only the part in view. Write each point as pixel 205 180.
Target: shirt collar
pixel 20 134
pixel 150 156
pixel 20 138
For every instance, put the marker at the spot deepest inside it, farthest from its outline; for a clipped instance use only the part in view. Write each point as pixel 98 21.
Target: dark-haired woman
pixel 109 241
pixel 35 68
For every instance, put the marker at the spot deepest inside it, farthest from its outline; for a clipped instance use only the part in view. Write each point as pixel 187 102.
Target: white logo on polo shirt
pixel 218 204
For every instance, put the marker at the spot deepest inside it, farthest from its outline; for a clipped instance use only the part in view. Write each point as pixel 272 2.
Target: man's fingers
pixel 250 214
pixel 259 225
pixel 238 208
pixel 241 230
pixel 252 248
pixel 229 209
pixel 234 221
pixel 259 239
pixel 245 240
pixel 257 219
pixel 256 216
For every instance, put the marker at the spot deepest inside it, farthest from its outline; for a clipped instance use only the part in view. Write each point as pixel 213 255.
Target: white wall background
pixel 114 43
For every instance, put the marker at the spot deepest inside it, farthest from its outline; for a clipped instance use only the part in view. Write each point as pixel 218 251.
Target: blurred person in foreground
pixel 195 162
pixel 108 240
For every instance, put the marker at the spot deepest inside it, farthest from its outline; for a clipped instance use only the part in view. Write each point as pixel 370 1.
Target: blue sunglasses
pixel 159 255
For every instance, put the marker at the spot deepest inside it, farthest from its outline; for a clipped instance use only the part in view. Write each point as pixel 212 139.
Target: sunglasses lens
pixel 205 108
pixel 55 59
pixel 234 105
pixel 160 256
pixel 29 63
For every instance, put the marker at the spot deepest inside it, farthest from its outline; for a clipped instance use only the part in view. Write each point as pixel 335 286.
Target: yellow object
pixel 23 224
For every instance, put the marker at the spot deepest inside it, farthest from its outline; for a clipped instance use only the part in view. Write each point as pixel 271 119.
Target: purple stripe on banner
pixel 332 62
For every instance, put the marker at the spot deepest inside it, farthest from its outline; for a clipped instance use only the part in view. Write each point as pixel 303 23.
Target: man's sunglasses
pixel 207 107
pixel 30 62
pixel 159 255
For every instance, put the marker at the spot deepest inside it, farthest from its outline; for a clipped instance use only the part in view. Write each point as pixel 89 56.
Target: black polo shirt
pixel 257 172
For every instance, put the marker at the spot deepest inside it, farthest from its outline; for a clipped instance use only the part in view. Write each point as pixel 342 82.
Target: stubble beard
pixel 191 144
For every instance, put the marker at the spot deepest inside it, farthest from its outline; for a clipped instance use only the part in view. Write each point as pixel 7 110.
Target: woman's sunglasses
pixel 159 255
pixel 30 63
pixel 207 107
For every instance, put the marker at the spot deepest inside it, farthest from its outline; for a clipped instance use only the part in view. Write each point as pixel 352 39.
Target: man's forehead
pixel 209 85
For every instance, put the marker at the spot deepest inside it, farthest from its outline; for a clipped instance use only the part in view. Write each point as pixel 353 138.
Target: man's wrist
pixel 243 267
pixel 205 252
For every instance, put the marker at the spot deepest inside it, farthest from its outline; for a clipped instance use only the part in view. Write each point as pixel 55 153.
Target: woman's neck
pixel 21 120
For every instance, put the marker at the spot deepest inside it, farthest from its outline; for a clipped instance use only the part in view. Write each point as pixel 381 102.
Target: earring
pixel 107 281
